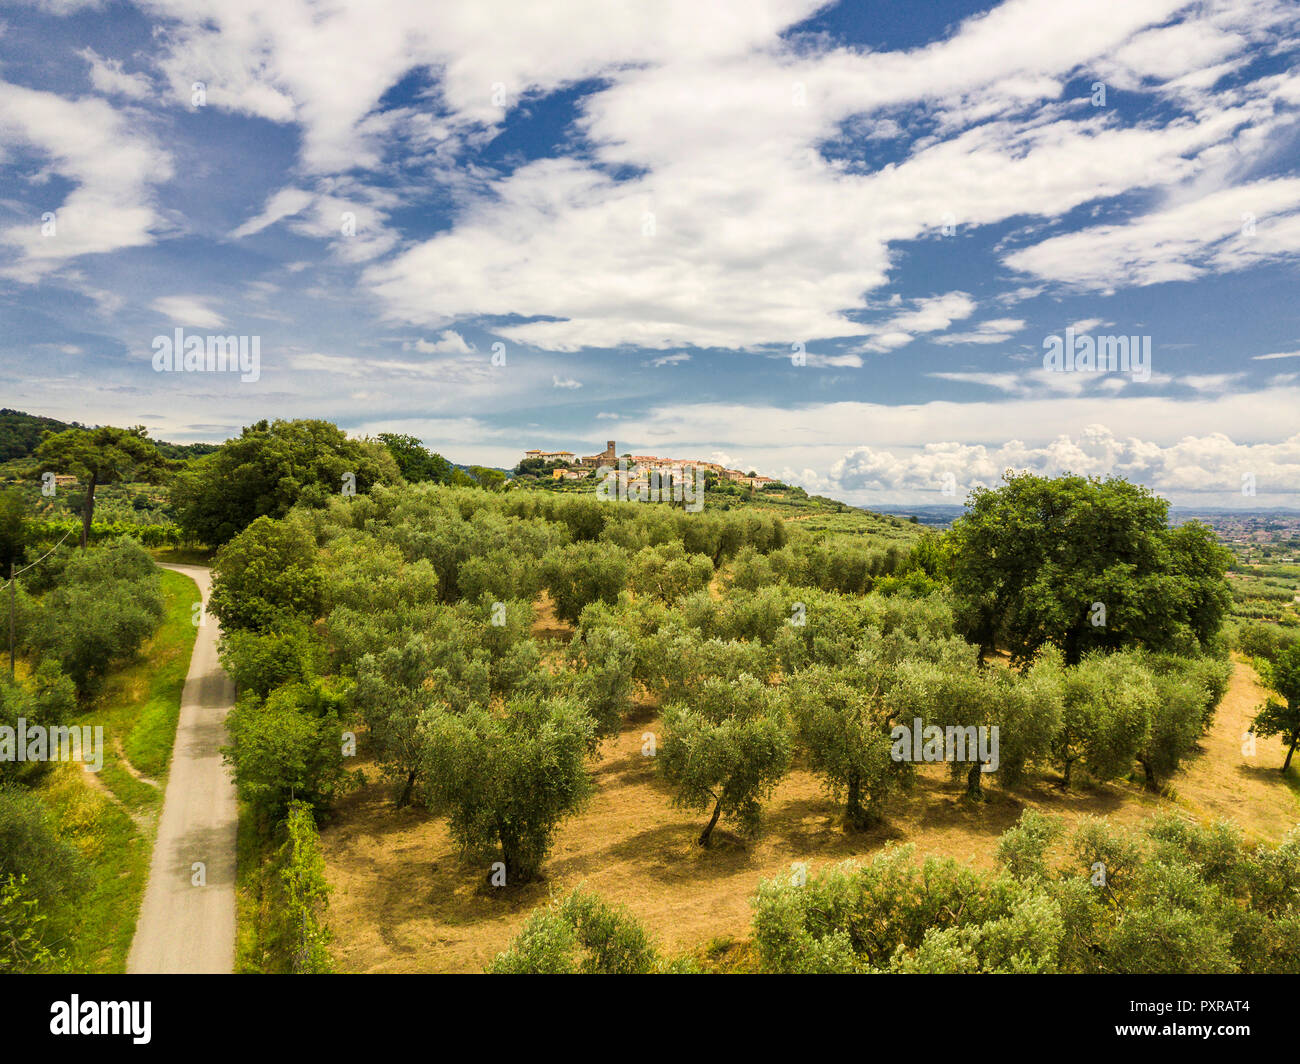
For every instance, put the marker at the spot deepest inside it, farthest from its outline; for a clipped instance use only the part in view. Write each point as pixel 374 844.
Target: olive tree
pixel 1282 718
pixel 1177 716
pixel 604 660
pixel 667 572
pixel 580 573
pixel 1106 708
pixel 390 693
pixel 842 724
pixel 506 778
pixel 728 746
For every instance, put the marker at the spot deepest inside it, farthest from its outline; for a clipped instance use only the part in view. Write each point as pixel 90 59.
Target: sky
pixel 833 243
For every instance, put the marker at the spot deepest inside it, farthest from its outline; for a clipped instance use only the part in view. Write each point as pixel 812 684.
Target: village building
pixel 606 457
pixel 640 466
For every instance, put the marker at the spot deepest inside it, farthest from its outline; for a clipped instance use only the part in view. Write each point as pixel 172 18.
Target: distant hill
pixel 936 516
pixel 1217 517
pixel 815 513
pixel 20 435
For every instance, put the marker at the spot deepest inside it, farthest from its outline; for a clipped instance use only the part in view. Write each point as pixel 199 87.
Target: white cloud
pixel 1086 325
pixel 112 166
pixel 282 204
pixel 991 331
pixel 1192 466
pixel 739 234
pixel 465 371
pixel 1226 229
pixel 567 382
pixel 756 238
pixel 1209 382
pixel 449 343
pixel 850 360
pixel 188 311
pixel 327 68
pixel 108 77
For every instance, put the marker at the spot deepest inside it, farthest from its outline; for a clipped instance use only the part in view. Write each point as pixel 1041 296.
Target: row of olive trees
pixel 852 669
pixel 459 713
pixel 426 595
pixel 730 741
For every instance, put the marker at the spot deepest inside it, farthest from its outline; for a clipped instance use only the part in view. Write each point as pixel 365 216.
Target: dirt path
pixel 187 919
pixel 130 768
pixel 1224 782
pixel 91 778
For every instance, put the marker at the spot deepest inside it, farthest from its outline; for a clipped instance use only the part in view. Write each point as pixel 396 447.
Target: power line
pixel 42 558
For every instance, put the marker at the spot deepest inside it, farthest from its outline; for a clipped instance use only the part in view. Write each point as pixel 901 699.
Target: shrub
pixel 305 894
pixel 46 699
pixel 286 747
pixel 24 948
pixel 578 935
pixel 54 871
pixel 108 602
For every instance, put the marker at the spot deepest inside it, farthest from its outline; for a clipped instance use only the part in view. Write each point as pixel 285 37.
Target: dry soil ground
pixel 404 902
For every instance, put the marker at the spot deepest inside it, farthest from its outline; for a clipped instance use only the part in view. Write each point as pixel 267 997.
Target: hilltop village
pixel 565 465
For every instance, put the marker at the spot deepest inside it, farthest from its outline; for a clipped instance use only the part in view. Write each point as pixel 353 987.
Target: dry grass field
pixel 403 901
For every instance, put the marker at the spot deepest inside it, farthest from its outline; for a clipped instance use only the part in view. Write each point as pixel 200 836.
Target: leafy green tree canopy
pixel 1281 717
pixel 104 455
pixel 1085 564
pixel 416 462
pixel 266 575
pixel 507 779
pixel 268 469
pixel 729 747
pixel 15 530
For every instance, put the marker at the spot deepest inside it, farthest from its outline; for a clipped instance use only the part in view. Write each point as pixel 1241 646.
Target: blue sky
pixel 824 241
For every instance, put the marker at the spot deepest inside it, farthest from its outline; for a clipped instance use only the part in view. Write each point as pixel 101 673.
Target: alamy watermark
pixel 1098 354
pixel 39 743
pixel 179 353
pixel 918 742
pixel 77 1017
pixel 617 485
